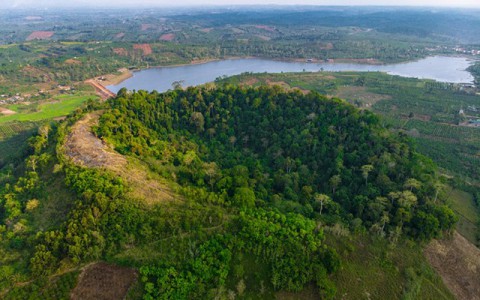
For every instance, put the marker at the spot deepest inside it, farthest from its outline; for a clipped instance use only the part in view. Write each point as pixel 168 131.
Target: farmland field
pixel 59 106
pixel 13 138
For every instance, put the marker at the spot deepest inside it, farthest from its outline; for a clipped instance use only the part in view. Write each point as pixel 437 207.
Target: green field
pixel 373 269
pixel 469 216
pixel 59 106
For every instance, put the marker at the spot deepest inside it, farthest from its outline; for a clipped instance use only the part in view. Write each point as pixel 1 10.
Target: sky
pixel 159 3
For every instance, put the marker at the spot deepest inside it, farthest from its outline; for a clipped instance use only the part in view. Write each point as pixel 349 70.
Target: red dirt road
pixel 102 91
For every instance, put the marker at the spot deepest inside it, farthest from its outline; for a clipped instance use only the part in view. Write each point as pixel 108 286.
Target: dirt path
pixel 85 149
pixel 458 263
pixel 101 91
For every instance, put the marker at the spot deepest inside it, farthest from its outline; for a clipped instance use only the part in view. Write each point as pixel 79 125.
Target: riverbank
pixel 114 79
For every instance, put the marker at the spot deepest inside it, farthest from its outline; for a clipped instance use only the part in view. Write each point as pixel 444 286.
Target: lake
pixel 440 68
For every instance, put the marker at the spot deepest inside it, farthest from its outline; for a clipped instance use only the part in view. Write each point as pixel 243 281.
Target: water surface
pixel 439 68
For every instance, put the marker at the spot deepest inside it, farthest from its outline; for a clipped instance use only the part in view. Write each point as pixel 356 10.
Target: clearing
pixel 146 48
pixel 103 281
pixel 85 149
pixel 6 111
pixel 458 263
pixel 120 51
pixel 40 35
pixel 360 94
pixel 167 37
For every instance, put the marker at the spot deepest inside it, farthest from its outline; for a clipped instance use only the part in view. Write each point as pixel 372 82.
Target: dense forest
pixel 259 174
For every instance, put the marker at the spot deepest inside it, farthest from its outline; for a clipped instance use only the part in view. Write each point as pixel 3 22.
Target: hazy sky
pixel 51 3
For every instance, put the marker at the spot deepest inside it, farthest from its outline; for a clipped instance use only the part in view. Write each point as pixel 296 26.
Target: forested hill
pixel 254 175
pixel 289 150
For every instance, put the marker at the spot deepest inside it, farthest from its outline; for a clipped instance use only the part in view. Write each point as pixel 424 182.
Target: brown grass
pixel 458 263
pixel 361 94
pixel 103 281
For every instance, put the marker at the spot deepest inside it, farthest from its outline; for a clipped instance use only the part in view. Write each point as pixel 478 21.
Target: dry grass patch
pixel 358 93
pixel 103 281
pixel 458 263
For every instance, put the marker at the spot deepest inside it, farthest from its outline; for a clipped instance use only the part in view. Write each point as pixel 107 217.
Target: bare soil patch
pixel 6 111
pixel 85 149
pixel 146 48
pixel 100 90
pixel 72 61
pixel 40 35
pixel 120 35
pixel 146 27
pixel 458 263
pixel 206 30
pixel 102 281
pixel 120 51
pixel 113 79
pixel 265 27
pixel 167 37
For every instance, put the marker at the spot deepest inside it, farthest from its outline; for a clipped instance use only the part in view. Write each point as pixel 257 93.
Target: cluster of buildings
pixel 4 99
pixel 466 51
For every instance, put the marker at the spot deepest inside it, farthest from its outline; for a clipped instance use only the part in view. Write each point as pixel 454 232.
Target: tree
pixel 322 200
pixel 335 181
pixel 411 184
pixel 198 120
pixel 244 197
pixel 366 169
pixel 404 199
pixel 384 220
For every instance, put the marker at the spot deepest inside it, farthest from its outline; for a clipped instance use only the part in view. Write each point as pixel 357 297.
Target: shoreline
pixel 111 79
